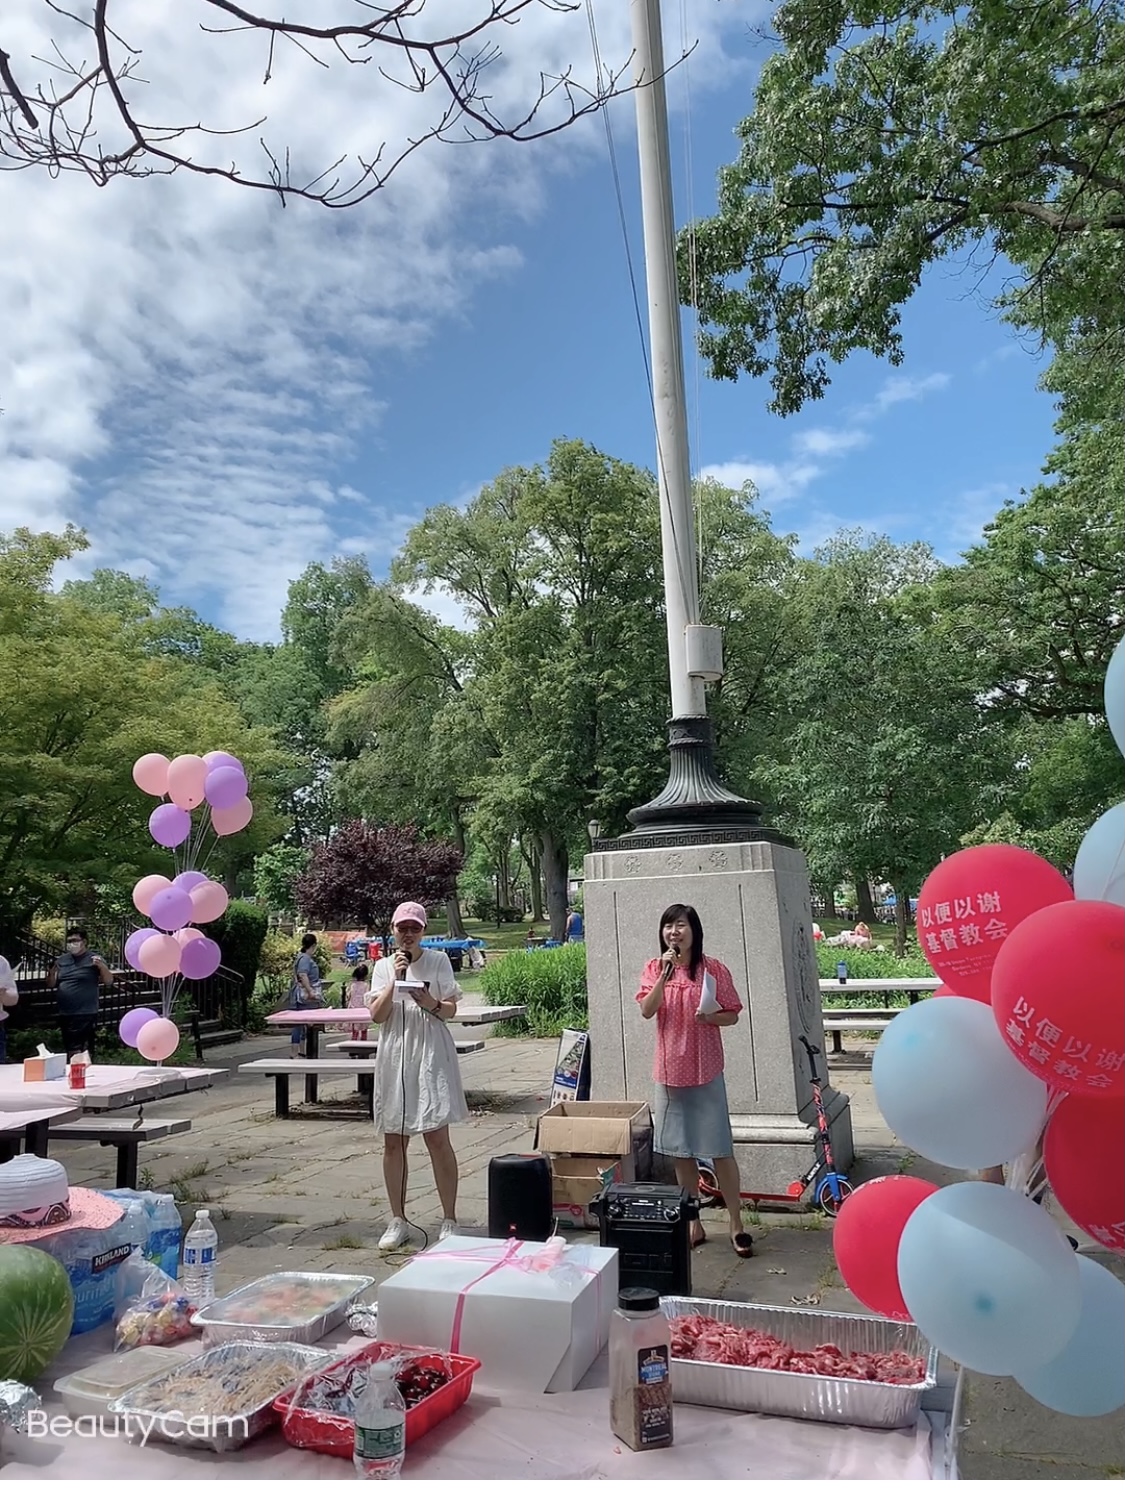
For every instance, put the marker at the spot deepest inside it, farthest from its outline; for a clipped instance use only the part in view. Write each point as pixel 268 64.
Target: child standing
pixel 358 989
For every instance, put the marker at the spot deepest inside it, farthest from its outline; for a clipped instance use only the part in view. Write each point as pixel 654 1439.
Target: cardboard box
pixel 531 1331
pixel 44 1067
pixel 591 1145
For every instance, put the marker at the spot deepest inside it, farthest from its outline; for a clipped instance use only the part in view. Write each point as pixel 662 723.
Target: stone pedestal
pixel 753 901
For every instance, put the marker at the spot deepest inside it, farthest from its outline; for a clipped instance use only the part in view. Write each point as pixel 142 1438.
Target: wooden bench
pixel 124 1134
pixel 838 1020
pixel 283 1071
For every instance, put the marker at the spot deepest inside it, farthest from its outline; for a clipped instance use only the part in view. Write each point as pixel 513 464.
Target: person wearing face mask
pixel 78 976
pixel 692 998
pixel 417 1079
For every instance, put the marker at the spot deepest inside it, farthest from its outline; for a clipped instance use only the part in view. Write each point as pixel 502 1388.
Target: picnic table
pixel 29 1128
pixel 106 1087
pixel 838 1019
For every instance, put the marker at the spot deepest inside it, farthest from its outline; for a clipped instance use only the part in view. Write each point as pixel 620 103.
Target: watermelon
pixel 36 1311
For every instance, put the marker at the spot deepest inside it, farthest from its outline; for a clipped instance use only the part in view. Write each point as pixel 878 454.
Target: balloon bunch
pixel 173 948
pixel 1017 1060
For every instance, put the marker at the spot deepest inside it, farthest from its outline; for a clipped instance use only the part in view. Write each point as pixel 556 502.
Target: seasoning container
pixel 640 1381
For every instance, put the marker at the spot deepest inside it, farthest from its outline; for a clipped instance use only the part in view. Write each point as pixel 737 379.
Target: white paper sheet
pixel 708 998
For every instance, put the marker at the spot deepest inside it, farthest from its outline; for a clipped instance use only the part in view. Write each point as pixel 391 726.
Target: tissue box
pixel 531 1331
pixel 44 1067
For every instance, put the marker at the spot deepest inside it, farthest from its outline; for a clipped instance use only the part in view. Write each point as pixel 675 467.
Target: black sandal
pixel 743 1244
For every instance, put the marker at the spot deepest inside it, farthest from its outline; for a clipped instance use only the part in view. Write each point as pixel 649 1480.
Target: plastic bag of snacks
pixel 151 1309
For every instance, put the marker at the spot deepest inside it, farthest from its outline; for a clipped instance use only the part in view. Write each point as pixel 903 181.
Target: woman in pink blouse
pixel 693 998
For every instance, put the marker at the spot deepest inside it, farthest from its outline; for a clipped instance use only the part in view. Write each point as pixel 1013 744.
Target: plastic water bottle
pixel 201 1247
pixel 164 1235
pixel 380 1426
pixel 134 1226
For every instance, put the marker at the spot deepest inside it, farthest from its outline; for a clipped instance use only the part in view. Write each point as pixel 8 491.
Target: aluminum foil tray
pixel 864 1404
pixel 233 1316
pixel 224 1419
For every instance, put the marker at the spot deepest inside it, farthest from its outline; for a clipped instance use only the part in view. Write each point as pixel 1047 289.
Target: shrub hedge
pixel 550 981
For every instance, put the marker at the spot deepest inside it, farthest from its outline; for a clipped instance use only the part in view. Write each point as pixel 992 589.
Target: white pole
pixel 673 464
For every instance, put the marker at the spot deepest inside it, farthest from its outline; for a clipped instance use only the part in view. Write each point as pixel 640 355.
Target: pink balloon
pixel 171 909
pixel 225 787
pixel 209 901
pixel 189 879
pixel 159 957
pixel 158 1039
pixel 216 758
pixel 169 825
pixel 187 776
pixel 228 820
pixel 151 774
pixel 145 891
pixel 200 959
pixel 133 946
pixel 187 934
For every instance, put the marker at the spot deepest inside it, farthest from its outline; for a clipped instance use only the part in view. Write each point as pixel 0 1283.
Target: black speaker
pixel 519 1197
pixel 650 1225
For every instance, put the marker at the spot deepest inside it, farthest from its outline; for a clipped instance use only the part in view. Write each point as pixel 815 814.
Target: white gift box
pixel 535 1314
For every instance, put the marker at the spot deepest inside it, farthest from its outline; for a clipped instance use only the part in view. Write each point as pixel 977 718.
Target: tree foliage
pixel 885 139
pixel 364 871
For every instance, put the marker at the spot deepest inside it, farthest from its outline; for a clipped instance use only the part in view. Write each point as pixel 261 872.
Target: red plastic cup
pixel 76 1076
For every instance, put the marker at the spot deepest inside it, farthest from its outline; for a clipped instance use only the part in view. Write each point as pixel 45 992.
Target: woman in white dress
pixel 417 1079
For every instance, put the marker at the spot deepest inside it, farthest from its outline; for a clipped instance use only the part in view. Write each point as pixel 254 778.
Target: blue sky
pixel 221 392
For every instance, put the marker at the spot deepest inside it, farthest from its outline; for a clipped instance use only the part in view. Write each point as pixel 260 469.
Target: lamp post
pixel 694 798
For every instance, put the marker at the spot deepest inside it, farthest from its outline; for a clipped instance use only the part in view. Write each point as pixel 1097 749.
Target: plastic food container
pixel 297 1307
pixel 827 1399
pixel 89 1392
pixel 218 1400
pixel 326 1433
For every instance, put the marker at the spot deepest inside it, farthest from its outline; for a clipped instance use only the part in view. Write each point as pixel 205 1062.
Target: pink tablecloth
pixel 516 1436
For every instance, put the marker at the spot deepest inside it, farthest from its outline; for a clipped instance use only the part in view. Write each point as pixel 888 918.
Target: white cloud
pixel 900 389
pixel 776 484
pixel 184 365
pixel 822 442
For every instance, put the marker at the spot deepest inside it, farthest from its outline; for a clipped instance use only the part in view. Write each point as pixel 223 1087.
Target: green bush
pixel 240 932
pixel 872 964
pixel 551 982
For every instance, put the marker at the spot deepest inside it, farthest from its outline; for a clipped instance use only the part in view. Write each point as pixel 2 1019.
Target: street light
pixel 594 828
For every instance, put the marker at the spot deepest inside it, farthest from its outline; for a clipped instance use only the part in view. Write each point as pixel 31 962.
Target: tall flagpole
pixel 694 797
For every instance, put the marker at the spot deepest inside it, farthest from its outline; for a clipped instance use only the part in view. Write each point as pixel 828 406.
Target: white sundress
pixel 417 1077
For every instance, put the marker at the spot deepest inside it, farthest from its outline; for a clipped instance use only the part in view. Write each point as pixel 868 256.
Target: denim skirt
pixel 692 1122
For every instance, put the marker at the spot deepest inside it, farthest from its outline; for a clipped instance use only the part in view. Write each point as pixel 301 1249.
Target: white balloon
pixel 1115 694
pixel 1099 868
pixel 989 1278
pixel 950 1088
pixel 1087 1378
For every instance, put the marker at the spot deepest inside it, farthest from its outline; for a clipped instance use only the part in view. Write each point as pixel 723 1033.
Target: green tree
pixel 885 139
pixel 276 873
pixel 889 760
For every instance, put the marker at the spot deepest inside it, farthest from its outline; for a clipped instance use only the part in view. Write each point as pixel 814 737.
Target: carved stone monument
pixel 753 900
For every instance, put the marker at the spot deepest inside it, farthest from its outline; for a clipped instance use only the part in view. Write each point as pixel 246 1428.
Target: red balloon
pixel 866 1235
pixel 944 992
pixel 1058 995
pixel 969 905
pixel 1084 1155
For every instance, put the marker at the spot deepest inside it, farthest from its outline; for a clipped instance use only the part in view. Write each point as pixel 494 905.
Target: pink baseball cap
pixel 409 910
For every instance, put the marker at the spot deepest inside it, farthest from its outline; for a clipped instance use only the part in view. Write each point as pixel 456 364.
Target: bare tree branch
pixel 58 123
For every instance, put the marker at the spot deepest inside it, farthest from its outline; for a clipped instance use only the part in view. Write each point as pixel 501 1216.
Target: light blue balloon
pixel 1087 1378
pixel 989 1278
pixel 950 1088
pixel 1115 694
pixel 1099 865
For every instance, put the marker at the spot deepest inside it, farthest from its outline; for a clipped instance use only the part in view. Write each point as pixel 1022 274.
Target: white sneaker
pixel 448 1229
pixel 395 1234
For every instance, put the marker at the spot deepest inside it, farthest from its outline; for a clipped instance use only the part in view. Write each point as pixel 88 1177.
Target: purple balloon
pixel 216 758
pixel 189 879
pixel 200 958
pixel 169 824
pixel 133 1023
pixel 133 947
pixel 171 909
pixel 224 786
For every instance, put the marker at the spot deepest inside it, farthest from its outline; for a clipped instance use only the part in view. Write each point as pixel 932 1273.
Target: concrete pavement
pixel 307 1193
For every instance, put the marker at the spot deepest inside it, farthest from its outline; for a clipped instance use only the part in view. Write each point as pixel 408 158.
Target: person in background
pixel 417 1078
pixel 306 992
pixel 691 1117
pixel 574 927
pixel 359 985
pixel 9 997
pixel 78 976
